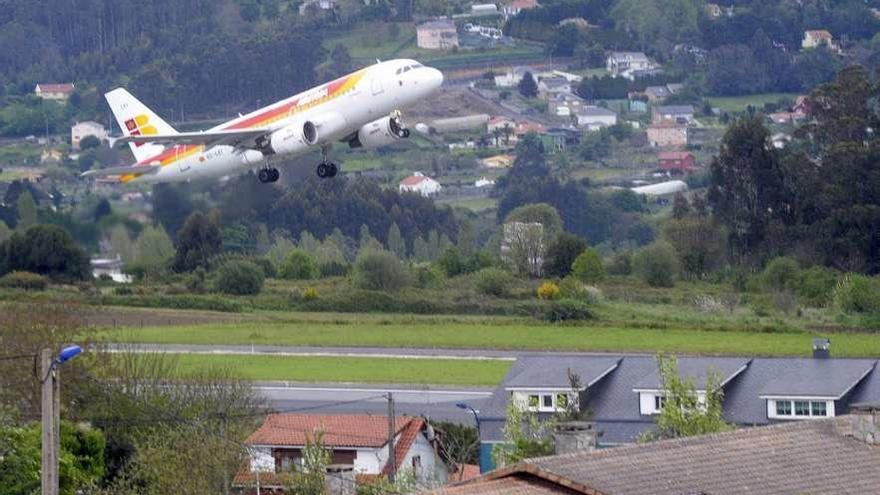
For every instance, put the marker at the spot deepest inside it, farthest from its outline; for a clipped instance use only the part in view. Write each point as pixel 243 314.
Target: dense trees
pixel 818 197
pixel 198 241
pixel 45 249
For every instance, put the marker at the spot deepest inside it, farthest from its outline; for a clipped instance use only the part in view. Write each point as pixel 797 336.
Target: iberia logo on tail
pixel 138 126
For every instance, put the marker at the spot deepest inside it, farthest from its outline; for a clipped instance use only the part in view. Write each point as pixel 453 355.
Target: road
pixel 436 403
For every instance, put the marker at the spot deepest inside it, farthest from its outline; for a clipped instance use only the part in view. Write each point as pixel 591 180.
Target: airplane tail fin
pixel 135 119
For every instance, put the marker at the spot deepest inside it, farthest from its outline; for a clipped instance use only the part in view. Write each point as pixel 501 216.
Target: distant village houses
pixel 437 35
pixel 628 64
pixel 682 114
pixel 57 92
pixel 514 7
pixel 676 161
pixel 818 37
pixel 594 118
pixel 87 128
pixel 667 135
pixel 421 184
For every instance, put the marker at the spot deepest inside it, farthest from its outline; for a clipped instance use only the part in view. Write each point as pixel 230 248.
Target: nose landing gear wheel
pixel 327 170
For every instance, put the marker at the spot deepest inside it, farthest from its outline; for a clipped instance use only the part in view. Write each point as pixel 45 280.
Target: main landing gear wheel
pixel 267 175
pixel 327 170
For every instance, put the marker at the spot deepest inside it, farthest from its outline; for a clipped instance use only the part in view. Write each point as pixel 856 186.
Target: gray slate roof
pixel 698 370
pixel 595 111
pixel 615 406
pixel 552 372
pixel 675 109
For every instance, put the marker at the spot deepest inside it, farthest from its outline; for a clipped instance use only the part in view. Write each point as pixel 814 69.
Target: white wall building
pixel 87 128
pixel 420 183
pixel 594 118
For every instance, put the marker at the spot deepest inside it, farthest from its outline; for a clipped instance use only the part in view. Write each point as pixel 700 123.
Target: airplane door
pixel 183 164
pixel 377 86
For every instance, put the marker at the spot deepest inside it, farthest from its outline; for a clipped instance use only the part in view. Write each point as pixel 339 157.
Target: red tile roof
pixel 56 88
pixel 464 472
pixel 674 155
pixel 407 437
pixel 340 430
pixel 413 180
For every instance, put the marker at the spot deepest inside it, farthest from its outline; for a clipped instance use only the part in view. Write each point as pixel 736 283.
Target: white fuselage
pixel 350 102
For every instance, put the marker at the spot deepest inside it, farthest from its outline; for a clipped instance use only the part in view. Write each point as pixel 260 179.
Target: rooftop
pixel 437 24
pixel 340 430
pixel 675 109
pixel 698 370
pixel 792 458
pixel 533 371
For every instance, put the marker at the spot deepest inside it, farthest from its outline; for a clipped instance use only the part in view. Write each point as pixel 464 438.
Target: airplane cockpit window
pixel 407 68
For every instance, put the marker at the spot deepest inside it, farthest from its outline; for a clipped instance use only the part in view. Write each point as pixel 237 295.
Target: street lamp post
pixel 476 413
pixel 51 414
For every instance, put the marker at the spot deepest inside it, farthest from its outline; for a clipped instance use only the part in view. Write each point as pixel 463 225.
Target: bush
pixel 621 263
pixel 856 293
pixel 379 270
pixel 451 263
pixel 23 280
pixel 298 265
pixel 493 282
pixel 333 269
pixel 781 273
pixel 588 266
pixel 426 276
pixel 548 291
pixel 310 294
pixel 196 282
pixel 269 270
pixel 657 264
pixel 816 284
pixel 561 254
pixel 572 288
pixel 239 277
pixel 567 310
pixel 47 250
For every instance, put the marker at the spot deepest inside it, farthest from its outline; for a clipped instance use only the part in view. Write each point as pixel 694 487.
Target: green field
pixel 351 369
pixel 739 103
pixel 477 205
pixel 501 334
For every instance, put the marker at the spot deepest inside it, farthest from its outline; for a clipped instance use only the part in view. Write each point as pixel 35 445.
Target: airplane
pixel 362 109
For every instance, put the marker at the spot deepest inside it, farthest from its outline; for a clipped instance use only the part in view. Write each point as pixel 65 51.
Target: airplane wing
pixel 207 138
pixel 128 170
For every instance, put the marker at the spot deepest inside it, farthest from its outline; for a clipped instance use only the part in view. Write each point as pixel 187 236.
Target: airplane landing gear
pixel 269 174
pixel 326 169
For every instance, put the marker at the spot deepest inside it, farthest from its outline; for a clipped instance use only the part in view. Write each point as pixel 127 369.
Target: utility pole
pixel 50 412
pixel 392 461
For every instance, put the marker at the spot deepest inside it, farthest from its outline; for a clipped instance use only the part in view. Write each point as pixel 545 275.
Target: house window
pixel 783 408
pixel 659 400
pixel 533 402
pixel 417 464
pixel 800 409
pixel 547 402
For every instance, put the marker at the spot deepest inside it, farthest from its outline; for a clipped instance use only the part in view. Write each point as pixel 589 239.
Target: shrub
pixel 588 266
pixel 123 290
pixel 548 291
pixel 426 276
pixel 196 281
pixel 574 289
pixel 23 280
pixel 657 264
pixel 451 263
pixel 379 270
pixel 239 277
pixel 493 282
pixel 621 263
pixel 781 273
pixel 310 294
pixel 298 265
pixel 815 285
pixel 567 310
pixel 333 268
pixel 269 270
pixel 561 254
pixel 856 293
pixel 45 249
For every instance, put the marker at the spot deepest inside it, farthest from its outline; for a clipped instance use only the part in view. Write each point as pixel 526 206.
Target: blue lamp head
pixel 69 353
pixel 461 405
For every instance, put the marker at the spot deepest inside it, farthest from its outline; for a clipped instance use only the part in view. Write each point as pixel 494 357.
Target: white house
pixel 624 64
pixel 818 37
pixel 316 4
pixel 49 91
pixel 420 183
pixel 514 7
pixel 594 118
pixel 111 267
pixel 551 86
pixel 513 76
pixel 87 128
pixel 484 182
pixel 358 441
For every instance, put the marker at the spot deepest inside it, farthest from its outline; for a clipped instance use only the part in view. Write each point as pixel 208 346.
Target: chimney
pixel 866 422
pixel 575 436
pixel 821 348
pixel 340 480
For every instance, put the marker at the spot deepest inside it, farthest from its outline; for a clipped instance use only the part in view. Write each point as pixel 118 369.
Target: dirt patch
pixel 453 101
pixel 114 317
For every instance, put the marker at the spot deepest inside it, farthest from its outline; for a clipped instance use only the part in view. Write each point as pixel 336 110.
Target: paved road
pixel 436 403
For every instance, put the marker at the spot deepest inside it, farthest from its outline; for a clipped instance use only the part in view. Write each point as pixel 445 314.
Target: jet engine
pixel 378 133
pixel 295 138
pixel 325 128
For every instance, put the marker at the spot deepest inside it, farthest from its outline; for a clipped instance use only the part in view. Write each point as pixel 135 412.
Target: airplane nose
pixel 435 78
